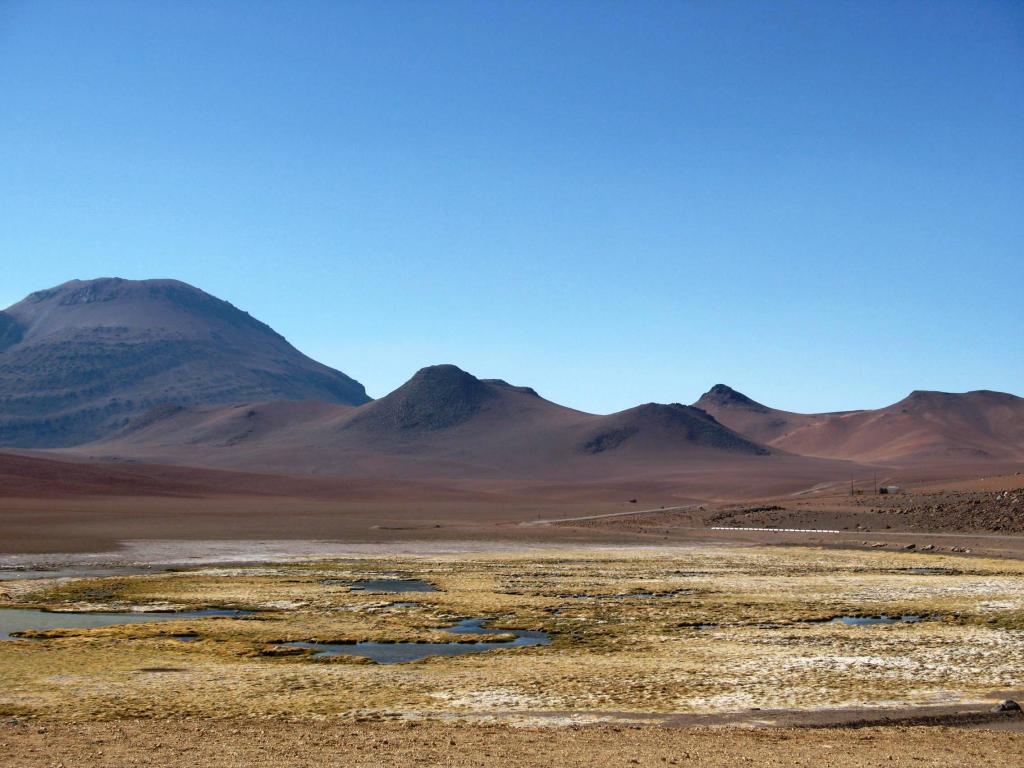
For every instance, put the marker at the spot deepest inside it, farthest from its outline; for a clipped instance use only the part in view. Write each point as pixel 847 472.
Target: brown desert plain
pixel 214 556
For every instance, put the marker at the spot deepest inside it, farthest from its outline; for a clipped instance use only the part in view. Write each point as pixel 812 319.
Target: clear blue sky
pixel 820 203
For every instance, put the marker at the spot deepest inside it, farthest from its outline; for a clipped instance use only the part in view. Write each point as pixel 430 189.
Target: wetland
pixel 514 635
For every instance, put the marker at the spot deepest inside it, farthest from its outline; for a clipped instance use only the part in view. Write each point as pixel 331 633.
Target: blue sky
pixel 820 203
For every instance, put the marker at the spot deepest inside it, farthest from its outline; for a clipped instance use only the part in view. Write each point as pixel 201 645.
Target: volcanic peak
pixel 723 396
pixel 436 397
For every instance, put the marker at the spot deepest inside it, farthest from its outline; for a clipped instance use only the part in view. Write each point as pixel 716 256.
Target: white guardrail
pixel 775 530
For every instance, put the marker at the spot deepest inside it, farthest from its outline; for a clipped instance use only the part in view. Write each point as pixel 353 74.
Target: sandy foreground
pixel 287 745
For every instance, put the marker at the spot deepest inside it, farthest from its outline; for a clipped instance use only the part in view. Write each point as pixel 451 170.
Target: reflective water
pixel 392 585
pixel 397 653
pixel 385 585
pixel 22 619
pixel 10 574
pixel 905 619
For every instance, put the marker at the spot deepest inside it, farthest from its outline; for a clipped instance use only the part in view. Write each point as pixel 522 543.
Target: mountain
pixel 443 422
pixel 723 396
pixel 750 418
pixel 923 427
pixel 438 397
pixel 80 361
pixel 660 427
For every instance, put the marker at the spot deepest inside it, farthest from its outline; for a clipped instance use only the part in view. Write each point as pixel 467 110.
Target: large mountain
pixel 923 427
pixel 442 423
pixel 80 361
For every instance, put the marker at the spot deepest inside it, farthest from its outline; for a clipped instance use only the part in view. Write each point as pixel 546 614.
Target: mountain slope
pixel 443 422
pixel 79 361
pixel 750 418
pixel 438 397
pixel 659 427
pixel 923 427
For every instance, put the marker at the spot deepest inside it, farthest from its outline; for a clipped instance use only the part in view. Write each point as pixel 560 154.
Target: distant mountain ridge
pixel 79 361
pixel 443 421
pixel 924 426
pixel 158 370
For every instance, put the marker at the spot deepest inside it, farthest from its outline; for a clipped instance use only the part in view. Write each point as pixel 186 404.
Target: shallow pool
pixel 392 585
pixel 23 619
pixel 397 653
pixel 858 620
pixel 84 572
